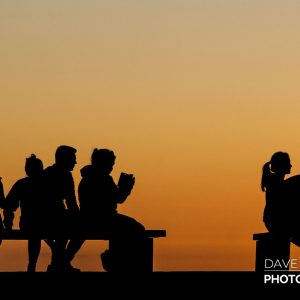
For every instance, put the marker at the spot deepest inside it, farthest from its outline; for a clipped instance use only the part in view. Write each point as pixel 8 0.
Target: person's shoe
pixel 62 268
pixel 57 268
pixel 51 268
pixel 30 269
pixel 69 268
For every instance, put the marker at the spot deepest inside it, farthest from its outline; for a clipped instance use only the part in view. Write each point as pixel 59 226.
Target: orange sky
pixel 193 96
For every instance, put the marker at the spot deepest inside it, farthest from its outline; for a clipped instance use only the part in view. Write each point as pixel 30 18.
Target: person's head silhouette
pixel 65 157
pixel 33 166
pixel 103 160
pixel 279 165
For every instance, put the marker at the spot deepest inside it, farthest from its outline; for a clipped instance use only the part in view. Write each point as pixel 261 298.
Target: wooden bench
pixel 271 247
pixel 114 244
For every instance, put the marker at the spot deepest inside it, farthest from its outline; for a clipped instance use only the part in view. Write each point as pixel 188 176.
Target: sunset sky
pixel 193 96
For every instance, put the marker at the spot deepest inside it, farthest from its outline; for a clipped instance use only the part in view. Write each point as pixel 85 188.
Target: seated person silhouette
pixel 26 194
pixel 62 208
pixel 99 197
pixel 282 197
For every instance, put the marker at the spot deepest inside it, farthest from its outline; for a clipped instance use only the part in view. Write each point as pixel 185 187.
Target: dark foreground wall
pixel 157 285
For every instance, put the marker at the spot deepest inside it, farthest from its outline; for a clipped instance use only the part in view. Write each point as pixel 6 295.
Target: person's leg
pixel 50 243
pixel 34 247
pixel 128 248
pixel 58 246
pixel 57 255
pixel 72 248
pixel 125 225
pixel 1 221
pixel 129 255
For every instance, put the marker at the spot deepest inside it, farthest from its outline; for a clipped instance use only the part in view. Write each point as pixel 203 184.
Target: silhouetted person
pixel 281 213
pixel 99 197
pixel 63 211
pixel 26 194
pixel 272 183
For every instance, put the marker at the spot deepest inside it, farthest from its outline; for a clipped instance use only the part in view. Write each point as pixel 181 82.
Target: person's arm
pixel 10 205
pixel 70 196
pixel 124 188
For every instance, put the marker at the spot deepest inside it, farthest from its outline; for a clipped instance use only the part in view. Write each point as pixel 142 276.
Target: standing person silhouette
pixel 26 194
pixel 59 194
pixel 276 211
pixel 99 197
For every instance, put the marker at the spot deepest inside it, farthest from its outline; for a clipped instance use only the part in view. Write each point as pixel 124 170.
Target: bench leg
pixel 273 249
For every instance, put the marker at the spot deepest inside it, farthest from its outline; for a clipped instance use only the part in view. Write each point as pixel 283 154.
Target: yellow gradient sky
pixel 192 95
